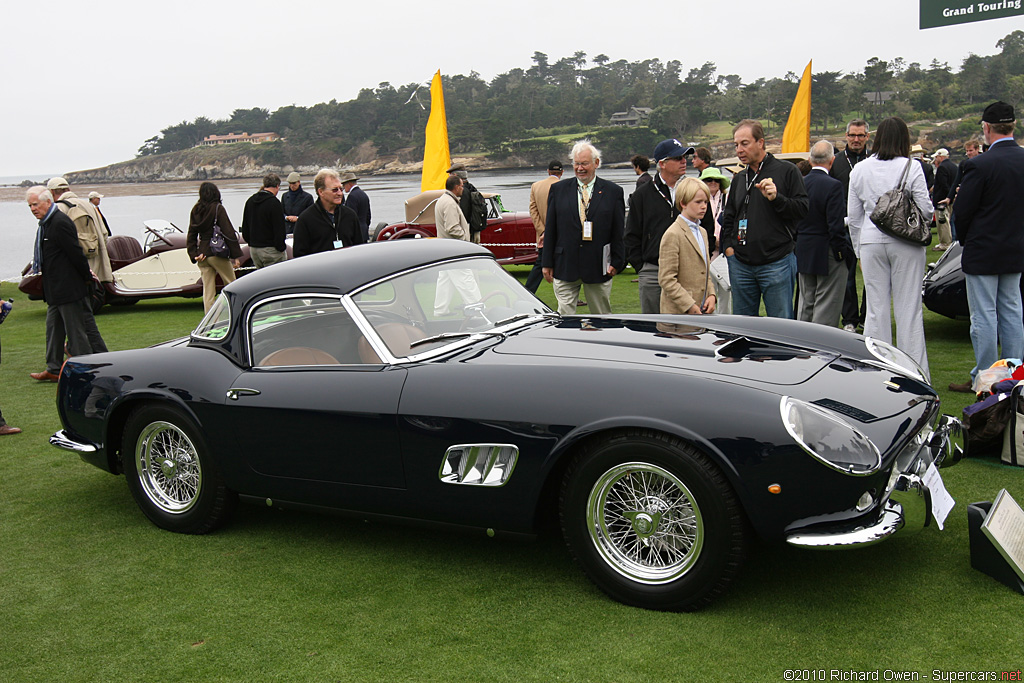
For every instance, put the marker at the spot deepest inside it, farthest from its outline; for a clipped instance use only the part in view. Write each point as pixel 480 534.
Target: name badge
pixel 338 244
pixel 588 231
pixel 741 232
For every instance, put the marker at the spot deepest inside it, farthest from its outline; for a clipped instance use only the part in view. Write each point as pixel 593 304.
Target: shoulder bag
pixel 218 243
pixel 897 215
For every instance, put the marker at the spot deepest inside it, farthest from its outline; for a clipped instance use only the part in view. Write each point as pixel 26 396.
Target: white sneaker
pixel 849 328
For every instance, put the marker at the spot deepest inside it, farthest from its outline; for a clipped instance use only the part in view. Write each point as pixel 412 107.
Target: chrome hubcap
pixel 644 522
pixel 168 467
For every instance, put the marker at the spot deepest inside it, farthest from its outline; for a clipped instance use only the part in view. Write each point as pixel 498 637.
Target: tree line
pixel 577 93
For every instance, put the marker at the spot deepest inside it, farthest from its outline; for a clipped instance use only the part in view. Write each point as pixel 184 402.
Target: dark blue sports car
pixel 417 379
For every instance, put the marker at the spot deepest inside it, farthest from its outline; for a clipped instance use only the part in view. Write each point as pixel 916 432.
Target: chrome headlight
pixel 895 359
pixel 829 438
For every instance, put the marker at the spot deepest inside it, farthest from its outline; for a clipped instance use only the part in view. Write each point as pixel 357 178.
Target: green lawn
pixel 91 591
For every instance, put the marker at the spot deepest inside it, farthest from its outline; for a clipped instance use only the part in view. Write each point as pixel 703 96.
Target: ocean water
pixel 126 206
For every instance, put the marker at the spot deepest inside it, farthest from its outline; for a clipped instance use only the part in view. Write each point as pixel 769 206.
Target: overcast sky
pixel 87 83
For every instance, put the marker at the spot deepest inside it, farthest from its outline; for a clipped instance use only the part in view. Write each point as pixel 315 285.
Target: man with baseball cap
pixel 767 201
pixel 652 209
pixel 92 234
pixel 94 199
pixel 988 226
pixel 294 201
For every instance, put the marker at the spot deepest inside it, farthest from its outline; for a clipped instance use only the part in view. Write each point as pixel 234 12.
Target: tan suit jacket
pixel 682 271
pixel 539 202
pixel 448 218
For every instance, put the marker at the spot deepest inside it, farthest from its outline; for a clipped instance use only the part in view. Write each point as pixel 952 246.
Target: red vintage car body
pixel 509 235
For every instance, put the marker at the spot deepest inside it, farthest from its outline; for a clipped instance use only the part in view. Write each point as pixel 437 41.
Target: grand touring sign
pixel 948 12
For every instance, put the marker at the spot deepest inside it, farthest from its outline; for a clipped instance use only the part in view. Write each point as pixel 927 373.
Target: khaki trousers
pixel 209 269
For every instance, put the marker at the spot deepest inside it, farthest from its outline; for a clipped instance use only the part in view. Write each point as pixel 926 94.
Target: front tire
pixel 170 472
pixel 652 521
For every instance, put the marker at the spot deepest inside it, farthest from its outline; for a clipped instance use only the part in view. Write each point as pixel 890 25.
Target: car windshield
pixel 426 309
pixel 216 323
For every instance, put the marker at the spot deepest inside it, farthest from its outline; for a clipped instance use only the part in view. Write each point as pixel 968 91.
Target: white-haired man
pixel 66 277
pixel 823 245
pixel 583 234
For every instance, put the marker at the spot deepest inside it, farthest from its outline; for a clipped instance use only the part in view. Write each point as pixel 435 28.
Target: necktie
pixel 584 202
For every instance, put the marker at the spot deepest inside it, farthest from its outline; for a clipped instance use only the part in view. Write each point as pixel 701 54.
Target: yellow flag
pixel 797 136
pixel 436 159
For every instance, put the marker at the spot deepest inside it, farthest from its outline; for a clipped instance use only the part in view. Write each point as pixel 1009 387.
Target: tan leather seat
pixel 397 336
pixel 298 355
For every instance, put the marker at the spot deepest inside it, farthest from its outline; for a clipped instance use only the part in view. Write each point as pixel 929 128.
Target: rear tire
pixel 652 521
pixel 170 472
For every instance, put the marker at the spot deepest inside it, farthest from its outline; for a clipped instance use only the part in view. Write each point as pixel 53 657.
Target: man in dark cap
pixel 988 226
pixel 539 213
pixel 652 209
pixel 358 201
pixel 294 201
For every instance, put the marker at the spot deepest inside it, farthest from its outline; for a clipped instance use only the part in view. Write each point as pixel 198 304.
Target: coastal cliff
pixel 243 160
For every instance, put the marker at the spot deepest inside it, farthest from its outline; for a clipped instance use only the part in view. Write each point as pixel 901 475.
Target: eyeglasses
pixel 858 136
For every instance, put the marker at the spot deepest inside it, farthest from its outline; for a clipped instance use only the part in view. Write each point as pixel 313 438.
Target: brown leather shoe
pixel 44 376
pixel 8 429
pixel 965 388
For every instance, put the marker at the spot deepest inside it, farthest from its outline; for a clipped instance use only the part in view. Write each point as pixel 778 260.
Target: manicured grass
pixel 91 591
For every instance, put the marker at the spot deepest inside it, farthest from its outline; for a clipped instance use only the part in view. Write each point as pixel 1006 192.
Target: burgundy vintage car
pixel 157 267
pixel 509 235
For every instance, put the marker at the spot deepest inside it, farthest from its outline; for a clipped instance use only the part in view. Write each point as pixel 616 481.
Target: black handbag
pixel 218 243
pixel 896 214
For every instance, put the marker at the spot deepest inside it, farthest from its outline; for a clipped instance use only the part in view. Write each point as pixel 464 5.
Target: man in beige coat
pixel 538 212
pixel 92 234
pixel 451 223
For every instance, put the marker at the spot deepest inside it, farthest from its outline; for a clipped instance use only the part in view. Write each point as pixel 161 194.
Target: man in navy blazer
pixel 989 226
pixel 66 277
pixel 358 201
pixel 823 247
pixel 583 234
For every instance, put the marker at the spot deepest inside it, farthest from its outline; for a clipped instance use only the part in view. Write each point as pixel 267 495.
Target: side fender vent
pixel 479 464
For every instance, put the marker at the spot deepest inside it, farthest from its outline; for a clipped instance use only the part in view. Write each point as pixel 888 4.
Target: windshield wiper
pixel 452 335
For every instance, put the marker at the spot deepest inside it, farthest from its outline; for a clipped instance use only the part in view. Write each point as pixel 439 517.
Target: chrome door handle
pixel 233 394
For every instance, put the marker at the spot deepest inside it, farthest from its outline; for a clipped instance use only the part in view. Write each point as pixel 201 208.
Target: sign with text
pixel 1004 526
pixel 949 12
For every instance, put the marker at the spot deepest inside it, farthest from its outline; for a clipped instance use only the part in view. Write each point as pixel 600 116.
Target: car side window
pixel 304 331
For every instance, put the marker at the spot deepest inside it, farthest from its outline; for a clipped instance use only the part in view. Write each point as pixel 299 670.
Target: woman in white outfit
pixel 892 269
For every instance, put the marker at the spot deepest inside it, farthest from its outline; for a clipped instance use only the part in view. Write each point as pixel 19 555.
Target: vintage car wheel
pixel 169 472
pixel 652 521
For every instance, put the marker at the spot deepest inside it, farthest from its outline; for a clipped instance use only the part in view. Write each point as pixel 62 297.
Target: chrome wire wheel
pixel 645 523
pixel 169 467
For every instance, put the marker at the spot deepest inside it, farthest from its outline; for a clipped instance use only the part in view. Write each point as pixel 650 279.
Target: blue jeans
pixel 772 281
pixel 996 318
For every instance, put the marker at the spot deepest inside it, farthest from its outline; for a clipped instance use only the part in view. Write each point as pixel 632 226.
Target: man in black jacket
pixel 66 277
pixel 263 224
pixel 651 210
pixel 294 201
pixel 327 224
pixel 767 201
pixel 857 136
pixel 988 226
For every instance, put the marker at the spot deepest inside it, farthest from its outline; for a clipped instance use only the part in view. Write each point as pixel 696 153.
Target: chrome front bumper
pixel 908 502
pixel 62 440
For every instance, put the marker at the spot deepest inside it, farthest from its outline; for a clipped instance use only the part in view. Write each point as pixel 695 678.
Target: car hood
pixel 771 352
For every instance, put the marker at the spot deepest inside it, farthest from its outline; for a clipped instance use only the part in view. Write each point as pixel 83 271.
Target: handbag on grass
pixel 897 215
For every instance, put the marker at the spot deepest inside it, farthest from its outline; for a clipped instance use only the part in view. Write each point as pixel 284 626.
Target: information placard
pixel 1004 526
pixel 949 12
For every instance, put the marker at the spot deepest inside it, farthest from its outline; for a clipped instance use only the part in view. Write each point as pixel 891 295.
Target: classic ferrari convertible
pixel 417 379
